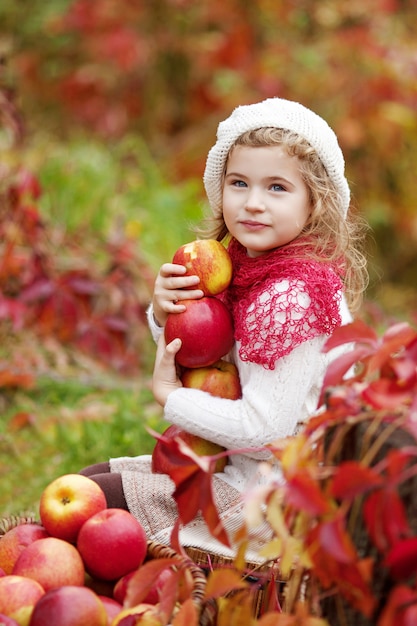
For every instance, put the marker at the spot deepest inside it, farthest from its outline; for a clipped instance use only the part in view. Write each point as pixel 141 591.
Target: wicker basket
pixel 199 563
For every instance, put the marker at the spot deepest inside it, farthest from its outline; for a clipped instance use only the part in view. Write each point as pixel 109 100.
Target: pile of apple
pixel 206 332
pixel 74 567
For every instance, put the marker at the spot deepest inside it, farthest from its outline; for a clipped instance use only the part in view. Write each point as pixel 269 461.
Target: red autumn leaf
pixel 400 608
pixel 402 559
pixel 352 578
pixel 396 461
pixel 335 540
pixel 386 394
pixel 352 479
pixel 144 580
pixel 303 493
pixel 385 518
pixel 192 475
pixel 356 332
pixel 337 369
pixel 394 339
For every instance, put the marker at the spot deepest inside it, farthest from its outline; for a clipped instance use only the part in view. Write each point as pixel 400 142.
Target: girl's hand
pixel 171 286
pixel 165 376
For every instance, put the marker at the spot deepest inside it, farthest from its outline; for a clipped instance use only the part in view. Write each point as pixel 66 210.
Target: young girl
pixel 279 199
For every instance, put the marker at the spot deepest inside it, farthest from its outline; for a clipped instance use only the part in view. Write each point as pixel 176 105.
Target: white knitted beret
pixel 276 113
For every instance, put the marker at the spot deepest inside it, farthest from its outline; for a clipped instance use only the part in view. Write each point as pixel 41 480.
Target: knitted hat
pixel 276 113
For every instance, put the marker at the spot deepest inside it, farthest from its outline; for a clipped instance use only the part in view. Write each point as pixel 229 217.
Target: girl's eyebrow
pixel 267 179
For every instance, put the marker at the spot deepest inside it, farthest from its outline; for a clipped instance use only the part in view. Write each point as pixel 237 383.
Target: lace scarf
pixel 281 299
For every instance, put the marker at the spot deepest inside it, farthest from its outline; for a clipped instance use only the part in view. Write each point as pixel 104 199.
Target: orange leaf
pixel 21 420
pixel 187 614
pixel 222 581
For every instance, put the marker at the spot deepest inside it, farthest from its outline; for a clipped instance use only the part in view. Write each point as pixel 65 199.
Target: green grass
pixel 70 425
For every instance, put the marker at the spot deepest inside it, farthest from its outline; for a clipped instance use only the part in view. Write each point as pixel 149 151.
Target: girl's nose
pixel 255 201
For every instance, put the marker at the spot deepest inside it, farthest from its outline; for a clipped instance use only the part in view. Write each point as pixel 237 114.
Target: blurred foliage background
pixel 107 111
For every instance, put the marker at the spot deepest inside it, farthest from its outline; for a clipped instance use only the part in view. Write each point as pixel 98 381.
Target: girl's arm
pixel 272 403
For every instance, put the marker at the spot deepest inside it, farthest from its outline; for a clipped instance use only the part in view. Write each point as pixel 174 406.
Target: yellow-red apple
pixel 67 502
pixel 162 459
pixel 112 543
pixel 15 541
pixel 52 563
pixel 140 615
pixel 220 379
pixel 18 596
pixel 210 261
pixel 69 606
pixel 205 329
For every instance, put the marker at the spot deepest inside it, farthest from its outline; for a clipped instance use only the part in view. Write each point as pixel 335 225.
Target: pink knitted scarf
pixel 281 299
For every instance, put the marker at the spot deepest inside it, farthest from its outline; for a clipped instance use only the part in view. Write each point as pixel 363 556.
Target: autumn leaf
pixel 187 614
pixel 236 609
pixel 400 608
pixel 385 518
pixel 304 493
pixel 144 580
pixel 192 475
pixel 401 560
pixel 222 581
pixel 352 479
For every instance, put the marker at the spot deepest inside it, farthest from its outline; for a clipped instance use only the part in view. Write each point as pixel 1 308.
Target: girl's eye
pixel 238 183
pixel 277 187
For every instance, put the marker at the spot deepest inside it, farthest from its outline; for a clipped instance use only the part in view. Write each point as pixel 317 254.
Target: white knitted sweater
pixel 274 404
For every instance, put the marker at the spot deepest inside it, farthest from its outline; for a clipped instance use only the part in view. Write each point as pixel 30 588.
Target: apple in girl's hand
pixel 15 540
pixel 220 379
pixel 67 502
pixel 162 459
pixel 52 563
pixel 18 596
pixel 112 543
pixel 205 329
pixel 210 261
pixel 69 606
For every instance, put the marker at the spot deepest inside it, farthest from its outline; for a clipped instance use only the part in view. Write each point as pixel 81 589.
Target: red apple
pixel 52 563
pixel 210 261
pixel 112 608
pixel 69 606
pixel 220 379
pixel 142 614
pixel 162 460
pixel 120 588
pixel 205 329
pixel 15 541
pixel 112 543
pixel 67 502
pixel 18 596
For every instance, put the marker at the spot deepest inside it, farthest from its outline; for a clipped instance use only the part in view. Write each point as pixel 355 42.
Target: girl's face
pixel 265 200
